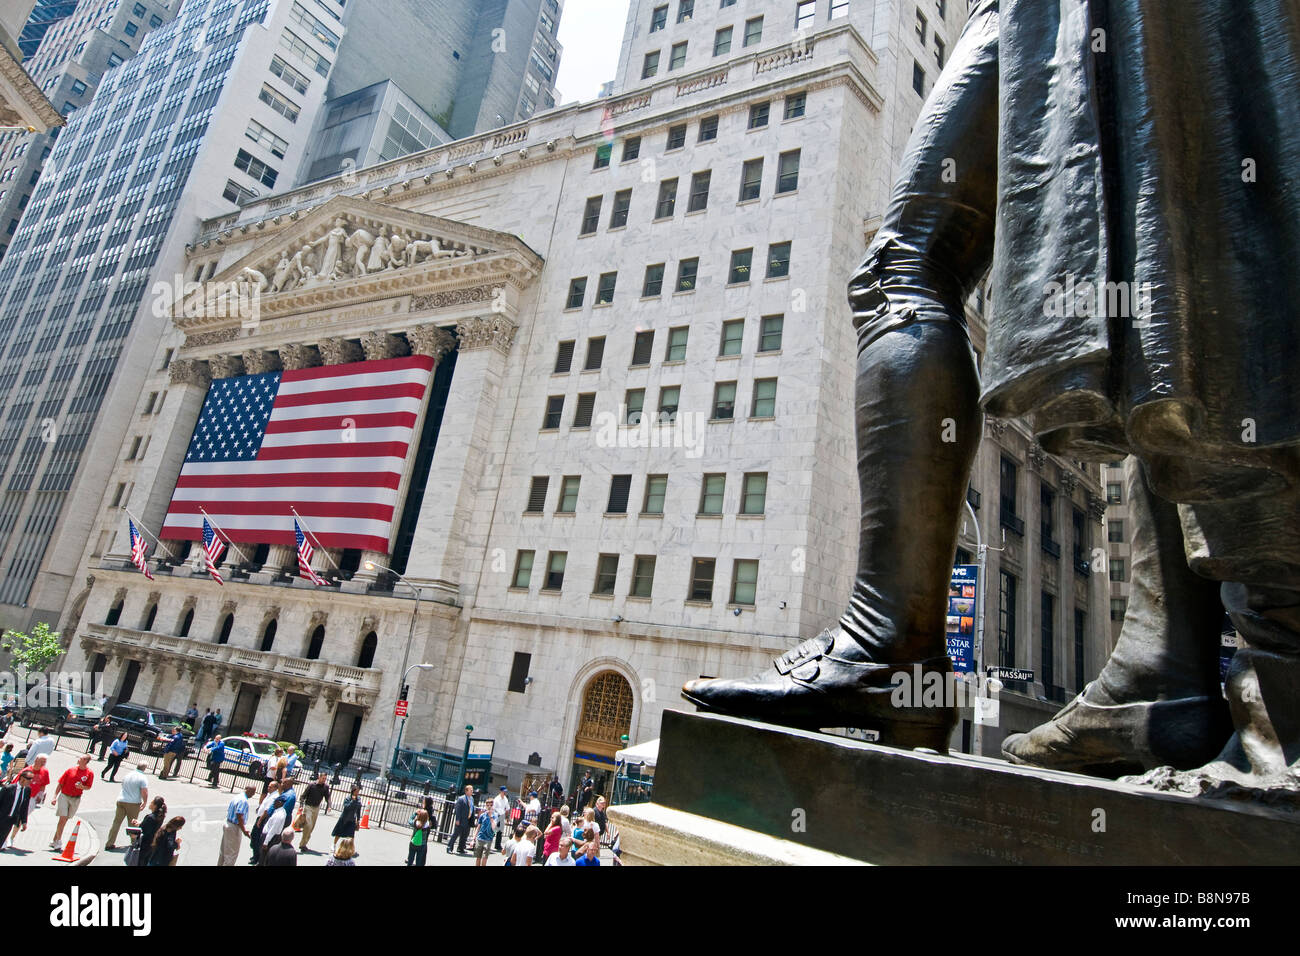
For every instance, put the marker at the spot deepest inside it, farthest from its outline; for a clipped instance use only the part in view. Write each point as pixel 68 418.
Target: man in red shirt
pixel 74 782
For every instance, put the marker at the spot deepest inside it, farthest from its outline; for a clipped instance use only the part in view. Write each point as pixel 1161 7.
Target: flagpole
pixel 302 523
pixel 157 541
pixel 218 529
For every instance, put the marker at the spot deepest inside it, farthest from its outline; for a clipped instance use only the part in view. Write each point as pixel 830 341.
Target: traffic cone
pixel 365 817
pixel 69 854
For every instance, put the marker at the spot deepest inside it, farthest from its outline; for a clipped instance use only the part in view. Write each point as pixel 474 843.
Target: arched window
pixel 606 709
pixel 317 641
pixel 367 656
pixel 114 614
pixel 227 623
pixel 149 617
pixel 268 634
pixel 186 622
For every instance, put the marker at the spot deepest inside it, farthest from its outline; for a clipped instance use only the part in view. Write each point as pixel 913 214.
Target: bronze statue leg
pixel 1157 700
pixel 918 428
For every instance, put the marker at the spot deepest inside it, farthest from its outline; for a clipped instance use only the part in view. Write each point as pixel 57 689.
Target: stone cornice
pixel 21 101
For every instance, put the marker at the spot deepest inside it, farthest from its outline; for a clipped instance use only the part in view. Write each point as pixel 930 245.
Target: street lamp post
pixel 394 746
pixel 464 759
pixel 406 655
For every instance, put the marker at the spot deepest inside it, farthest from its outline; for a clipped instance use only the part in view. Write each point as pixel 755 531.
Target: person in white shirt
pixel 130 802
pixel 500 810
pixel 566 827
pixel 533 808
pixel 564 855
pixel 42 745
pixel 526 848
pixel 273 827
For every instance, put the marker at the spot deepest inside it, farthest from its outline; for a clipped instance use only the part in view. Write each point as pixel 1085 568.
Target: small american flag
pixel 305 551
pixel 213 549
pixel 138 557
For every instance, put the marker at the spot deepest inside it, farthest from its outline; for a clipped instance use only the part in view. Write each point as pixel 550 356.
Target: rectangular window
pixel 702 579
pixel 744 582
pixel 712 491
pixel 676 137
pixel 658 18
pixel 591 216
pixel 595 353
pixel 741 261
pixel 771 329
pixel 667 203
pixel 278 103
pixel 265 138
pixel 751 180
pixel 753 498
pixel 117 495
pixel 724 401
pixel 654 281
pixel 686 274
pixel 787 172
pixel 643 348
pixel 564 357
pixel 677 56
pixel 1114 493
pixel 722 41
pixel 620 487
pixel 708 129
pixel 1115 532
pixel 753 31
pixel 313 26
pixel 135 449
pixel 922 27
pixel 669 398
pixel 603 152
pixel 677 344
pixel 656 489
pixel 651 65
pixel 942 6
pixel 582 411
pixel 1008 487
pixel 1047 648
pixel 634 404
pixel 577 293
pixel 764 398
pixel 699 191
pixel 795 105
pixel 289 75
pixel 519 673
pixel 554 409
pixel 246 163
pixel 733 334
pixel 685 10
pixel 643 576
pixel 940 51
pixel 1080 628
pixel 555 571
pixel 778 260
pixel 918 78
pixel 1117 608
pixel 606 573
pixel 622 203
pixel 631 148
pixel 131 29
pixel 303 51
pixel 1117 570
pixel 759 114
pixel 537 495
pixel 78 88
pixel 805 14
pixel 568 502
pixel 523 569
pixel 605 289
pixel 1006 619
pixel 1081 541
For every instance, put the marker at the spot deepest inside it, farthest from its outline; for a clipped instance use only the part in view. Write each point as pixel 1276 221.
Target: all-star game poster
pixel 960 630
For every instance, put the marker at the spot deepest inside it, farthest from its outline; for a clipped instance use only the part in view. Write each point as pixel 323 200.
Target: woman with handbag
pixel 166 843
pixel 149 827
pixel 349 816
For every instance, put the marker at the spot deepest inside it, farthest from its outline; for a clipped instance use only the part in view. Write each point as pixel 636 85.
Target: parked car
pixel 74 712
pixel 249 754
pixel 147 729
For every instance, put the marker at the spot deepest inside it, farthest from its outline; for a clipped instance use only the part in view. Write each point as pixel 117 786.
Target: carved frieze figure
pixel 1141 154
pixel 301 269
pixel 282 278
pixel 332 260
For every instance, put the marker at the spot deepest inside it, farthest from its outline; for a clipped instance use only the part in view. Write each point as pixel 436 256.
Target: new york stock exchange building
pixel 576 402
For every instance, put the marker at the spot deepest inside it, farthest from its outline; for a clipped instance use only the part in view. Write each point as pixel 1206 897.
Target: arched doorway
pixel 606 716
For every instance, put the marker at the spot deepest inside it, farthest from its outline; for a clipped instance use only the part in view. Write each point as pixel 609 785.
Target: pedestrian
pixel 203 732
pixel 508 851
pixel 131 802
pixel 344 851
pixel 312 798
pixel 500 810
pixel 101 728
pixel 173 755
pixel 283 853
pixel 216 752
pixel 483 839
pixel 116 751
pixel 273 827
pixel 259 818
pixel 551 840
pixel 349 817
pixel 290 800
pixel 463 813
pixel 526 848
pixel 291 764
pixel 40 780
pixel 74 782
pixel 237 813
pixel 601 820
pixel 6 759
pixel 565 823
pixel 586 793
pixel 533 809
pixel 216 722
pixel 192 718
pixel 563 856
pixel 557 791
pixel 590 854
pixel 15 801
pixel 42 745
pixel 166 843
pixel 590 828
pixel 149 828
pixel 421 828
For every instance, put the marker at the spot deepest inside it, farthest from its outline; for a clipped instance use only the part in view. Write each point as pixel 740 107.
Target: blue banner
pixel 960 630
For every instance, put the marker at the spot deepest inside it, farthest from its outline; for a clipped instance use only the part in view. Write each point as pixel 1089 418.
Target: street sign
pixel 400 709
pixel 1011 673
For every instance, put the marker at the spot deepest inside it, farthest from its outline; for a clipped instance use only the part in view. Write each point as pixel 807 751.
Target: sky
pixel 591 32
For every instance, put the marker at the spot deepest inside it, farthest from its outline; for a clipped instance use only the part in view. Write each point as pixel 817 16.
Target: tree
pixel 32 653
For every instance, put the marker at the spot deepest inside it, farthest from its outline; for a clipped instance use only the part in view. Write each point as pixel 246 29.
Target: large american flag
pixel 330 442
